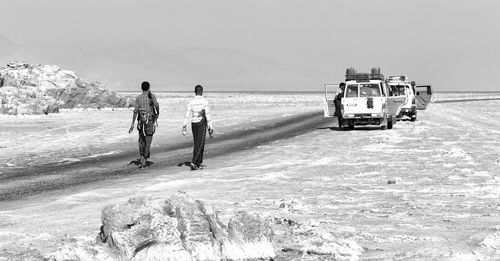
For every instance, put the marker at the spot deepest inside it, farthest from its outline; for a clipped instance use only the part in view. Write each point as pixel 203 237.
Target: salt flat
pixel 75 134
pixel 425 190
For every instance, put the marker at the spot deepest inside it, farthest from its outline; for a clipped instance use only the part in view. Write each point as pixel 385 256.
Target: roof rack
pixel 351 74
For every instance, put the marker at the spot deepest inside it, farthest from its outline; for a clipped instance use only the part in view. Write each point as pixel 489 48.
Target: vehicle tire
pixel 399 117
pixel 413 117
pixel 389 124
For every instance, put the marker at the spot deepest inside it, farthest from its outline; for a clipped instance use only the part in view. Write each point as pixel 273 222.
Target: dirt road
pixel 31 181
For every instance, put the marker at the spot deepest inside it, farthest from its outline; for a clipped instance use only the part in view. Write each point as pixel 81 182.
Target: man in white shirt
pixel 198 114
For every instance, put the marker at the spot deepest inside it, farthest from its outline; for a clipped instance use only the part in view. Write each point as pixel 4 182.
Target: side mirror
pixel 418 93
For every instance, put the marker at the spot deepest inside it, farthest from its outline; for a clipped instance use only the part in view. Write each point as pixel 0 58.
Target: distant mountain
pixel 125 66
pixel 173 68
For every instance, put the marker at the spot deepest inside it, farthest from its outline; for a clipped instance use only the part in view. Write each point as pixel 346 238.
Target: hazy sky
pixel 452 44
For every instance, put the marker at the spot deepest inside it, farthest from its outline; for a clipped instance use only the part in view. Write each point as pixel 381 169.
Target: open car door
pixel 423 96
pixel 395 103
pixel 329 104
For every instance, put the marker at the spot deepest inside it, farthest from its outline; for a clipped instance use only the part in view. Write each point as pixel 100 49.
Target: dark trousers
pixel 146 132
pixel 199 130
pixel 337 107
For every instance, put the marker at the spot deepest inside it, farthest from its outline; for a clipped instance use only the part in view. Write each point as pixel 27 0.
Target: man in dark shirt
pixel 338 98
pixel 146 111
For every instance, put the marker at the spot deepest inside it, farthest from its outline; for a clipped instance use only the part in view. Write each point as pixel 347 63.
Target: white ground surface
pixel 425 190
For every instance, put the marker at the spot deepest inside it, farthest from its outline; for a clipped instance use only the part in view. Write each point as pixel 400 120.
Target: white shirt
pixel 194 108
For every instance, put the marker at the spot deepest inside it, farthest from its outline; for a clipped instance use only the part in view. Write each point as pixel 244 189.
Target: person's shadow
pixel 137 162
pixel 186 163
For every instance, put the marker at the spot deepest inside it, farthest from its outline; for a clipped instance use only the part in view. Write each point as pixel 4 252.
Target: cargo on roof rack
pixel 352 75
pixel 401 78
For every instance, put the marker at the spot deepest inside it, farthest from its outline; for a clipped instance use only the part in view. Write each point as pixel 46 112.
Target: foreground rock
pixel 182 229
pixel 313 239
pixel 43 89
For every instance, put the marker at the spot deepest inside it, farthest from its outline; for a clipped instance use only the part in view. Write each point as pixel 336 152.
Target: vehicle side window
pixel 425 88
pixel 382 87
pixel 389 90
pixel 351 91
pixel 398 90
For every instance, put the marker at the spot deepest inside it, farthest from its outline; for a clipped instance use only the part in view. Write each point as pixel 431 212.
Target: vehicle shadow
pixel 330 128
pixel 358 128
pixel 366 128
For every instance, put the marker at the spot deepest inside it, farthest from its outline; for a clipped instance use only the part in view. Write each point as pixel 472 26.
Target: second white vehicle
pixel 401 86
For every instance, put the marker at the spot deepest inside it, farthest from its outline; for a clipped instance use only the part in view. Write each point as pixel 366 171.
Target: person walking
pixel 198 114
pixel 146 111
pixel 413 83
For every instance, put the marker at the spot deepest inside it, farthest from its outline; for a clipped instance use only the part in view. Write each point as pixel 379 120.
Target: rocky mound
pixel 43 89
pixel 180 228
pixel 183 229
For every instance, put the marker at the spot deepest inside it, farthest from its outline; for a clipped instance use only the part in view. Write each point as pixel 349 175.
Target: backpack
pixel 148 115
pixel 151 103
pixel 145 117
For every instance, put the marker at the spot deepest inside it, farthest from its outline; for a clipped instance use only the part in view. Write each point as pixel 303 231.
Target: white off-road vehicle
pixel 418 97
pixel 365 100
pixel 401 86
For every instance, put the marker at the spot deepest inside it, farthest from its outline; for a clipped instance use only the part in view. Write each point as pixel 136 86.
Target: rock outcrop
pixel 183 229
pixel 313 241
pixel 43 89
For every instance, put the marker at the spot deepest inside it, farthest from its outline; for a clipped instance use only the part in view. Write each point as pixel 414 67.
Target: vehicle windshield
pixel 398 90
